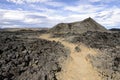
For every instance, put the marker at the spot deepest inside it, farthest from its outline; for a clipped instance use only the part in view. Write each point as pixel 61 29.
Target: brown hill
pixel 78 27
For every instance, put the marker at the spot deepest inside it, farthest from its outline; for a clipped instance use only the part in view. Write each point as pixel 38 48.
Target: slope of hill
pixel 78 27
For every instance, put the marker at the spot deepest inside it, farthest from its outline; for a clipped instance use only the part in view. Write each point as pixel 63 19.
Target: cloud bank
pixel 47 13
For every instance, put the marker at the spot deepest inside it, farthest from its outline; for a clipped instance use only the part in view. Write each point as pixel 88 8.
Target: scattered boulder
pixel 77 49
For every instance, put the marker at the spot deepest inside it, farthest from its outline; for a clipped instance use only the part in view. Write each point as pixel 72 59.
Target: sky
pixel 47 13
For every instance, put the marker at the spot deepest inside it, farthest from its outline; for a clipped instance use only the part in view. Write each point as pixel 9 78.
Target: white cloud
pixel 22 18
pixel 27 1
pixel 45 2
pixel 11 26
pixel 13 15
pixel 94 0
pixel 32 21
pixel 102 1
pixel 16 1
pixel 107 16
pixel 47 17
pixel 55 4
pixel 86 8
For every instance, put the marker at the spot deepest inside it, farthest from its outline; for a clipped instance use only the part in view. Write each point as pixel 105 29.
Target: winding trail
pixel 77 66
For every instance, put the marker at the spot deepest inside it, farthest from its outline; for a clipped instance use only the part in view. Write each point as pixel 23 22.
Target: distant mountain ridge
pixel 78 27
pixel 115 29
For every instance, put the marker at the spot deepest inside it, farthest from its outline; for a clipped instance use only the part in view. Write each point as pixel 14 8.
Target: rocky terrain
pixel 107 62
pixel 88 50
pixel 24 57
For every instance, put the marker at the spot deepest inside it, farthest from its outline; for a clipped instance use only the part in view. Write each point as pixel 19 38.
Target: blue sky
pixel 47 13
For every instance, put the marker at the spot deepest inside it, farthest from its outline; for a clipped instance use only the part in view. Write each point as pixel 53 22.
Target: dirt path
pixel 77 67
